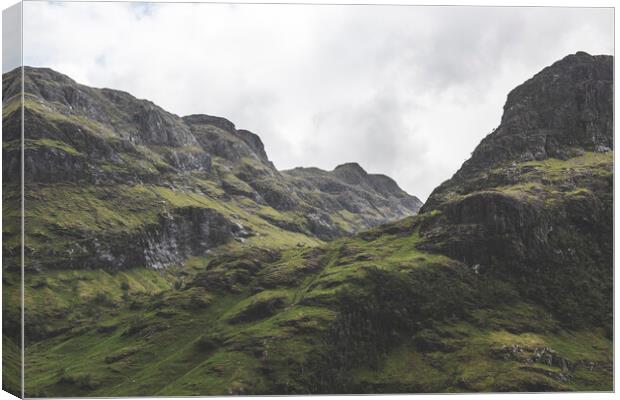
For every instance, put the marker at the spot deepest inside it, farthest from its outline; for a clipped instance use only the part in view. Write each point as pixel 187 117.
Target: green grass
pixel 468 364
pixel 11 366
pixel 584 162
pixel 51 143
pixel 538 180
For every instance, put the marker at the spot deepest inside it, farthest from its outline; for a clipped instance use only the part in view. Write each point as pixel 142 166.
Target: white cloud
pixel 404 91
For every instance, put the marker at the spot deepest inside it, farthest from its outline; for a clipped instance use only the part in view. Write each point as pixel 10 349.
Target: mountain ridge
pixel 99 138
pixel 250 138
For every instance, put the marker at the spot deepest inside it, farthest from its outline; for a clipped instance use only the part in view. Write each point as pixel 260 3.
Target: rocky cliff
pixel 535 200
pixel 561 112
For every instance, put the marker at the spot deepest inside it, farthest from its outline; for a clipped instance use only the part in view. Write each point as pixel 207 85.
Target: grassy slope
pixel 11 366
pixel 171 343
pixel 369 313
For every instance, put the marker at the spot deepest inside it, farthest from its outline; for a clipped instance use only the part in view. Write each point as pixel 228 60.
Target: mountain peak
pixel 351 167
pixel 560 87
pixel 561 112
pixel 351 173
pixel 564 109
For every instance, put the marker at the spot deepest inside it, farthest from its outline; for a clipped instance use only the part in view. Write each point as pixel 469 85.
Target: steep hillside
pixel 535 201
pixel 502 283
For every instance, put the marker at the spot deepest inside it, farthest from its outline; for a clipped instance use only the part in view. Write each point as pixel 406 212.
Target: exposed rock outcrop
pixel 534 202
pixel 174 237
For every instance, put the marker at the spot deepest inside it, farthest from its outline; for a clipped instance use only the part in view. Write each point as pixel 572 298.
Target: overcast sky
pixel 404 91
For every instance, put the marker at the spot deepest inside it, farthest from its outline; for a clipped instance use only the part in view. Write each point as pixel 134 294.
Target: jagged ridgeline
pixel 167 255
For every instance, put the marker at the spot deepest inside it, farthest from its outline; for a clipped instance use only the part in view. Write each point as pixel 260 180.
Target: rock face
pixel 170 240
pixel 562 111
pixel 535 201
pixel 374 199
pixel 78 136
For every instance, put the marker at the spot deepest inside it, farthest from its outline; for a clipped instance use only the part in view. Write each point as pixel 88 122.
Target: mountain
pixel 502 282
pixel 104 171
pixel 538 192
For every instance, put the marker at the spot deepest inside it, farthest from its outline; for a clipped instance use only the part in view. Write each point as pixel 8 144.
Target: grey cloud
pixel 372 133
